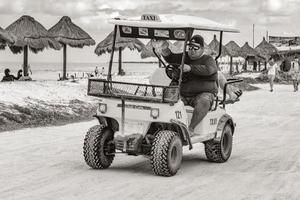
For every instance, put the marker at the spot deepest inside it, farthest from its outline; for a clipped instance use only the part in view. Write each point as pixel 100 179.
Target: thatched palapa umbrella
pixel 147 52
pixel 67 33
pixel 30 34
pixel 6 38
pixel 248 52
pixel 234 50
pixel 176 47
pixel 265 49
pixel 214 45
pixel 180 45
pixel 121 43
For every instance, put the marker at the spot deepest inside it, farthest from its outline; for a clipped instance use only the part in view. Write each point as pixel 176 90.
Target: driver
pixel 201 74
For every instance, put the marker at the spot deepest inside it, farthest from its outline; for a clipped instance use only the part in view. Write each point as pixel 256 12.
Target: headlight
pixel 102 107
pixel 154 113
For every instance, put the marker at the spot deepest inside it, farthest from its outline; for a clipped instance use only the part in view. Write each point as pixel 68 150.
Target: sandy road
pixel 47 163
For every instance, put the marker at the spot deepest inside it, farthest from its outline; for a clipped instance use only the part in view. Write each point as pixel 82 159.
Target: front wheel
pixel 166 153
pixel 98 148
pixel 220 151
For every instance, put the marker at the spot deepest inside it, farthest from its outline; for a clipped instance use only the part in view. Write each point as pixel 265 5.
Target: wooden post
pixel 246 60
pixel 265 65
pixel 25 60
pixel 237 67
pixel 159 63
pixel 120 61
pixel 65 62
pixel 230 69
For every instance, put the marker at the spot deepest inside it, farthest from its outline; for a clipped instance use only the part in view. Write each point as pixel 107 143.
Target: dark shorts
pixel 192 101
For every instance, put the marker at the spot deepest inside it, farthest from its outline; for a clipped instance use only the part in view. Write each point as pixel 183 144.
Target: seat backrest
pixel 159 77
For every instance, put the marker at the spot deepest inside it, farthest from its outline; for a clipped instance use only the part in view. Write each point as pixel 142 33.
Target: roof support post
pixel 188 33
pixel 220 46
pixel 112 54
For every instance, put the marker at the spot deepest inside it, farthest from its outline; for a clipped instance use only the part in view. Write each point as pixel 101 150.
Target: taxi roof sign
pixel 150 17
pixel 173 21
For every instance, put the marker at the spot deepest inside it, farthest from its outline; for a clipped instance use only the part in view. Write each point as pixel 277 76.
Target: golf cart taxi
pixel 149 119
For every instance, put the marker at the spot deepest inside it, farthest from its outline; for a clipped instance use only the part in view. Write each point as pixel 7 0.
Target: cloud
pixel 10 7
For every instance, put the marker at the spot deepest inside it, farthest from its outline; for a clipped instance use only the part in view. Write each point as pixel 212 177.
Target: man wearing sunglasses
pixel 201 72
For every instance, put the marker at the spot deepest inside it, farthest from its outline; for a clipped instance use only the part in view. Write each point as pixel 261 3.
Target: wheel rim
pixel 106 146
pixel 226 141
pixel 174 155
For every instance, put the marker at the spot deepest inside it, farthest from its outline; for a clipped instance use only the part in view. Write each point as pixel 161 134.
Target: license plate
pixel 134 127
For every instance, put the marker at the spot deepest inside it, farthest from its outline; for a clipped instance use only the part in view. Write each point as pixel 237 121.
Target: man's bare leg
pixel 202 104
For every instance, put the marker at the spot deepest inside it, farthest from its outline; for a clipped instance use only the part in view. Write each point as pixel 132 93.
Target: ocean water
pixel 52 71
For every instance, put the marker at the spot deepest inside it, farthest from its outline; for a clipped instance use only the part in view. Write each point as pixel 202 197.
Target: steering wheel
pixel 173 72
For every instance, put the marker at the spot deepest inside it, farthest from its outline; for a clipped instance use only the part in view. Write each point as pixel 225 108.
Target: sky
pixel 277 17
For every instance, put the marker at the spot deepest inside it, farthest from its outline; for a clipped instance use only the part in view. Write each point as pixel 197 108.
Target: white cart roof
pixel 172 21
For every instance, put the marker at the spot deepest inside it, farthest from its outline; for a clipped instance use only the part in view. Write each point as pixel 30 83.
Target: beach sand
pixel 47 162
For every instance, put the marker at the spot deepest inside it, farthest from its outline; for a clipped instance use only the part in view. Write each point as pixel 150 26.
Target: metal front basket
pixel 134 91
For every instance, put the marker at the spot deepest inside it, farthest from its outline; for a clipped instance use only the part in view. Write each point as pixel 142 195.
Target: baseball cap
pixel 197 39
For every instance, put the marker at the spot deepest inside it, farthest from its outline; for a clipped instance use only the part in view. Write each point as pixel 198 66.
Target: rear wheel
pixel 98 148
pixel 166 153
pixel 220 151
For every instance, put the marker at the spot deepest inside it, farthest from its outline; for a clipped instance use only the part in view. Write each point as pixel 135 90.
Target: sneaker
pixel 238 93
pixel 191 132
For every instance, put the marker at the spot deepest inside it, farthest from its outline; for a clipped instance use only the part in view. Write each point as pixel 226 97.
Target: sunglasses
pixel 193 46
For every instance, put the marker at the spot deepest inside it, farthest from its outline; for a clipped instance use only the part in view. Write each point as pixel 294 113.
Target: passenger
pixel 96 71
pixel 295 74
pixel 8 76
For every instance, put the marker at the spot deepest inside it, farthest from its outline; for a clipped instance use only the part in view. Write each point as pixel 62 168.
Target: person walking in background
pixel 102 71
pixel 295 74
pixel 7 76
pixel 272 68
pixel 29 69
pixel 96 71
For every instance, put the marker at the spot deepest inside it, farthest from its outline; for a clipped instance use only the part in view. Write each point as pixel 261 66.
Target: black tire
pixel 166 153
pixel 95 147
pixel 220 151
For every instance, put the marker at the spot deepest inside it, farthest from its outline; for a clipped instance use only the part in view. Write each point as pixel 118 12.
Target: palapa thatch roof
pixel 66 32
pixel 147 50
pixel 266 49
pixel 207 49
pixel 233 48
pixel 214 45
pixel 121 42
pixel 31 33
pixel 5 38
pixel 176 47
pixel 246 51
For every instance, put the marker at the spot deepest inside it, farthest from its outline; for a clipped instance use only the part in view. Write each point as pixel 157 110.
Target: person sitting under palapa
pixel 8 77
